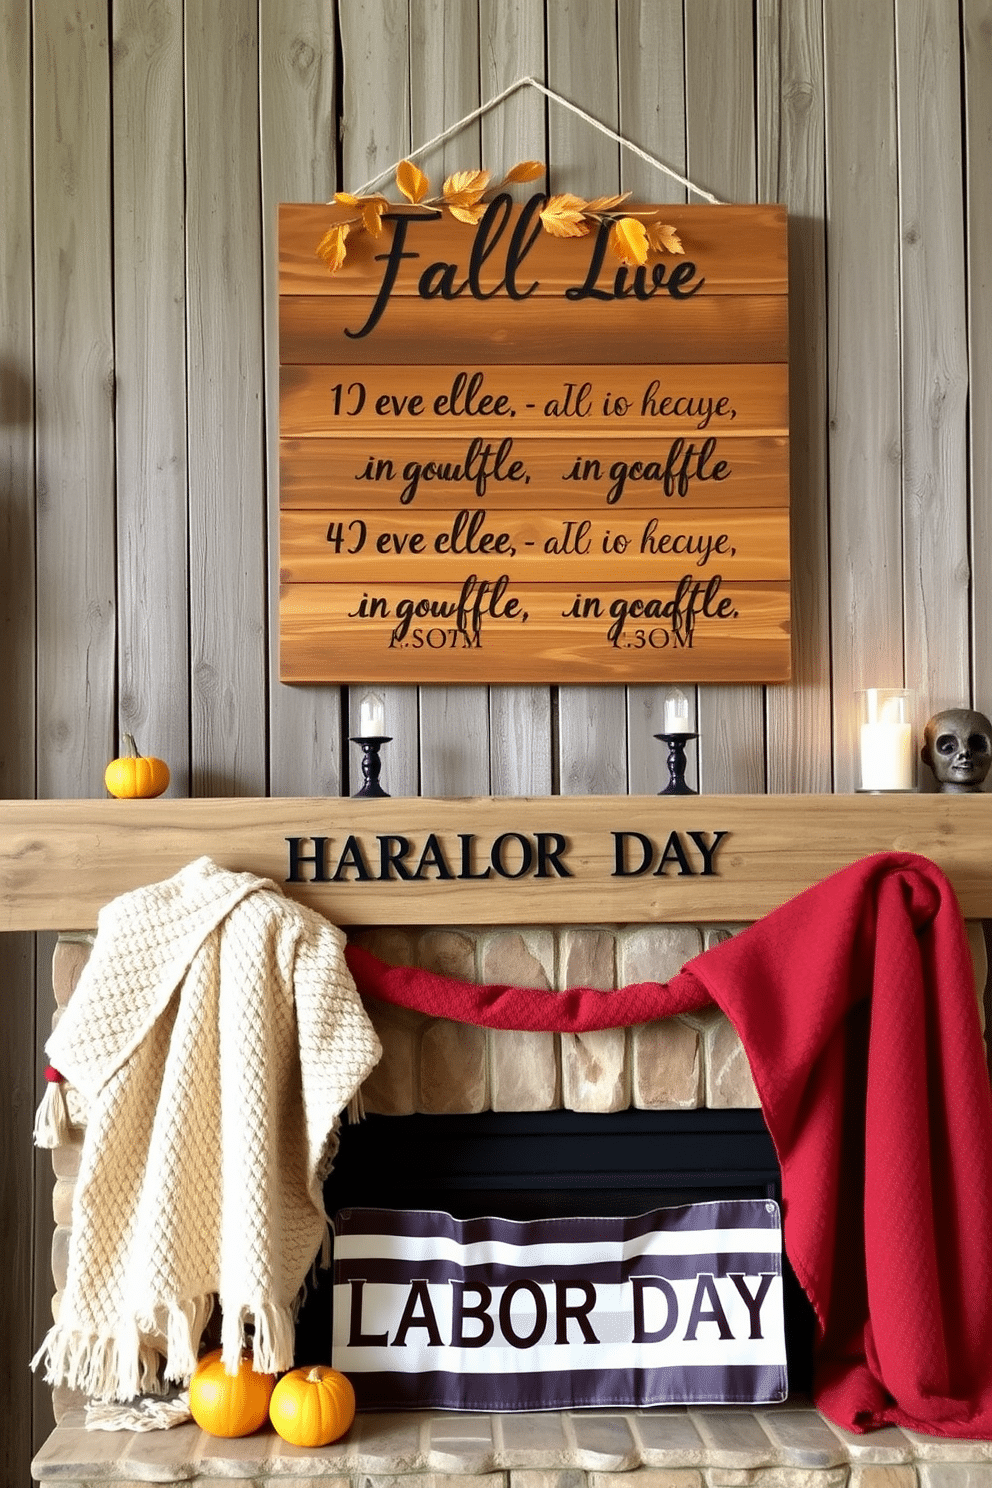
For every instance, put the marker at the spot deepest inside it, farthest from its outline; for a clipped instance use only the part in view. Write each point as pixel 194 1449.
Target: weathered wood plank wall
pixel 144 145
pixel 19 1199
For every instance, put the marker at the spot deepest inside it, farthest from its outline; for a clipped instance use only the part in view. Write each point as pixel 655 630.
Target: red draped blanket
pixel 855 1004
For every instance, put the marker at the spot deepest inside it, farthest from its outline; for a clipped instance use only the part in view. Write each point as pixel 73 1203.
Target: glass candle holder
pixel 886 739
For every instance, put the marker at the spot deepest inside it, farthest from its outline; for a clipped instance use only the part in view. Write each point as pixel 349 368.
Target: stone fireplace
pixel 438 1071
pixel 608 923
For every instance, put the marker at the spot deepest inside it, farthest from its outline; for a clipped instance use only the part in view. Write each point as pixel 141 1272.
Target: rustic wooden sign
pixel 508 457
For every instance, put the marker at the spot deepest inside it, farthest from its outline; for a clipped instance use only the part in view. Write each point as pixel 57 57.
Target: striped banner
pixel 676 1307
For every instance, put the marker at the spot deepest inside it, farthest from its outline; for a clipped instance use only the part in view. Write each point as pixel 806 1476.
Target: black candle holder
pixel 676 765
pixel 372 764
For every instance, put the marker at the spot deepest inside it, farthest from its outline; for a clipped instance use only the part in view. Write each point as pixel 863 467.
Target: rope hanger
pixel 530 82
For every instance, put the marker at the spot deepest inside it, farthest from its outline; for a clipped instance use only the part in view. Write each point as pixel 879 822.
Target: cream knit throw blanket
pixel 216 1036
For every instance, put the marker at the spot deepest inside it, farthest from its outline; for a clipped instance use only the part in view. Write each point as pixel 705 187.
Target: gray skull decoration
pixel 957 745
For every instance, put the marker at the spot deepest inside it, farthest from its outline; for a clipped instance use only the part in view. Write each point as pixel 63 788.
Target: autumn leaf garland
pixel 634 235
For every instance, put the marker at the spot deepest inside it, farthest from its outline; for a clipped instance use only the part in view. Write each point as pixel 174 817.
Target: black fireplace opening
pixel 550 1164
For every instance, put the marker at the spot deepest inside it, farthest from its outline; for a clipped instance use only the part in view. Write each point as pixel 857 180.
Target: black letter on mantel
pixel 550 846
pixel 708 852
pixel 317 858
pixel 392 260
pixel 392 851
pixel 527 854
pixel 433 857
pixel 620 869
pixel 467 839
pixel 355 1335
pixel 674 853
pixel 352 857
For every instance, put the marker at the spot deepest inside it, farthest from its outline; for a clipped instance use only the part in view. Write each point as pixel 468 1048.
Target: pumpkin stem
pixel 315 1375
pixel 131 746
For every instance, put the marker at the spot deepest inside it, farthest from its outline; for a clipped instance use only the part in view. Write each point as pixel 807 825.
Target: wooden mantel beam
pixel 553 859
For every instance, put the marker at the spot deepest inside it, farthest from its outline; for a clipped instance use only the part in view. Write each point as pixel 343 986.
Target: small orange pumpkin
pixel 229 1404
pixel 136 775
pixel 312 1406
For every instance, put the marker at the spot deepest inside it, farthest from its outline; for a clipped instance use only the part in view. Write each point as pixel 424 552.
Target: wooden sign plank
pixel 61 861
pixel 688 630
pixel 742 248
pixel 725 398
pixel 322 330
pixel 430 547
pixel 512 457
pixel 590 473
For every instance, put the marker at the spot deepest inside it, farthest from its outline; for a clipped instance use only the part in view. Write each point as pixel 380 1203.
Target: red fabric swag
pixel 855 1004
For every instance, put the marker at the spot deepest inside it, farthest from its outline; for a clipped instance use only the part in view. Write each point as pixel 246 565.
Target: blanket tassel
pixel 184 1329
pixel 324 1256
pixel 273 1338
pixel 274 1341
pixel 52 1123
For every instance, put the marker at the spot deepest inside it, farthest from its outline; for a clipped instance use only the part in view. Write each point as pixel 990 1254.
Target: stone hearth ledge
pixel 786 1446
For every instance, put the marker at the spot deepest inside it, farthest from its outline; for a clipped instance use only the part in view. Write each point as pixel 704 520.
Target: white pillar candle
pixel 886 756
pixel 886 746
pixel 371 717
pixel 677 714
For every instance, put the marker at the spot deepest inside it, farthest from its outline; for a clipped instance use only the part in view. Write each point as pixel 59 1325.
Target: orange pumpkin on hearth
pixel 229 1404
pixel 312 1406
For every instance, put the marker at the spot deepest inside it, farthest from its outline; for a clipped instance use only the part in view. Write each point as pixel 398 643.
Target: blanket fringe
pixel 113 1367
pixel 127 1364
pixel 184 1329
pixel 148 1414
pixel 274 1342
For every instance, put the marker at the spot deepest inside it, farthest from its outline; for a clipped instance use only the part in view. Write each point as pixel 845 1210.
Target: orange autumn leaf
pixel 331 247
pixel 471 215
pixel 629 241
pixel 411 180
pixel 606 203
pixel 464 188
pixel 633 235
pixel 663 238
pixel 563 217
pixel 526 170
pixel 372 216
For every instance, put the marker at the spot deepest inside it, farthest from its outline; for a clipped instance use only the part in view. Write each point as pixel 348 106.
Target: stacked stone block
pixel 436 1068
